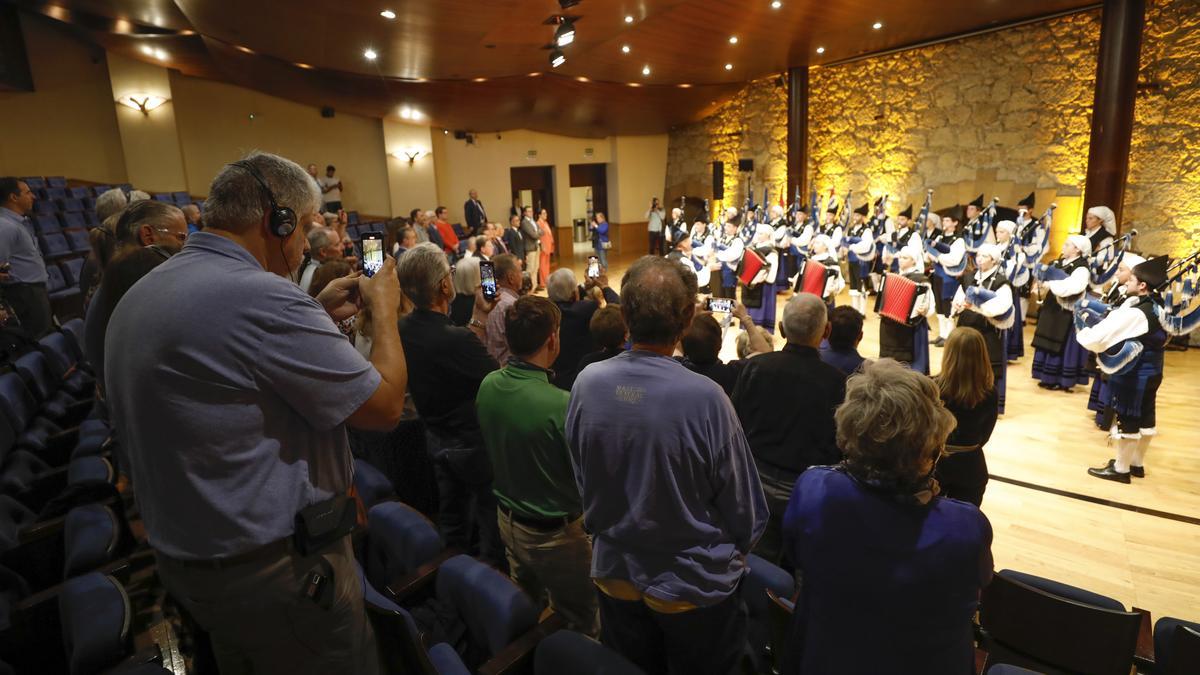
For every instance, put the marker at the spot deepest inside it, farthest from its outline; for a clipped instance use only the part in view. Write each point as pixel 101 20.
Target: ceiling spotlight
pixel 410 114
pixel 728 66
pixel 624 49
pixel 776 4
pixel 733 40
pixel 370 54
pixel 645 70
pixel 305 66
pixel 565 34
pixel 160 54
pixel 877 25
pixel 684 86
pixel 628 18
pixel 148 50
pixel 820 50
pixel 388 14
pixel 557 58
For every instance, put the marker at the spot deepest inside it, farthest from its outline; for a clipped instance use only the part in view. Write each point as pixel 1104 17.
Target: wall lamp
pixel 411 154
pixel 143 103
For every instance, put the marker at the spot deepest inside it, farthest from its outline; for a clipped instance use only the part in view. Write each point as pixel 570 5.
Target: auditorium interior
pixel 948 169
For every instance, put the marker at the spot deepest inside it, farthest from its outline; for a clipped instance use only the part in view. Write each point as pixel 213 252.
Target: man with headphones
pixel 231 390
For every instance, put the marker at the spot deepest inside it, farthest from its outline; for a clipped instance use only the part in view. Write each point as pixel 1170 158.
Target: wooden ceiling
pixel 481 65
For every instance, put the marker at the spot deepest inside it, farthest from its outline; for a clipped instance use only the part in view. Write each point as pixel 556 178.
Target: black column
pixel 797 131
pixel 1112 110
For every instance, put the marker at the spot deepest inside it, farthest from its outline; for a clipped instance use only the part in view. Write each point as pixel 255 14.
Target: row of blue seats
pixel 45 223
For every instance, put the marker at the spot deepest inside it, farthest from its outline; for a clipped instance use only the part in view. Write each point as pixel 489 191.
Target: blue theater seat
pixel 79 192
pixel 95 614
pixel 566 651
pixel 163 197
pixel 98 190
pixel 181 198
pixel 45 206
pixel 399 540
pixel 35 182
pixel 55 193
pixel 72 269
pixel 494 609
pixel 78 241
pixel 57 286
pixel 46 222
pixel 1176 646
pixel 74 219
pixel 91 537
pixel 372 486
pixel 55 245
pixel 70 204
pixel 56 182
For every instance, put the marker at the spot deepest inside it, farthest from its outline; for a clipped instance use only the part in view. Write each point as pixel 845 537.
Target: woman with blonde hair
pixel 968 390
pixel 871 537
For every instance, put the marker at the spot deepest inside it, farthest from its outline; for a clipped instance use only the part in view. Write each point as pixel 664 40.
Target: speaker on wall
pixel 745 165
pixel 718 186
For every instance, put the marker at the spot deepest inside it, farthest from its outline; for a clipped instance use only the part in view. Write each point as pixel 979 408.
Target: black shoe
pixel 940 342
pixel 1137 471
pixel 1048 385
pixel 1108 472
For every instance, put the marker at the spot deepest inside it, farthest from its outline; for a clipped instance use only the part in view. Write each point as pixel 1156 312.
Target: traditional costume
pixel 949 253
pixel 860 248
pixel 834 283
pixel 760 294
pixel 1015 269
pixel 1100 394
pixel 1058 359
pixel 1129 341
pixel 730 249
pixel 908 342
pixel 990 309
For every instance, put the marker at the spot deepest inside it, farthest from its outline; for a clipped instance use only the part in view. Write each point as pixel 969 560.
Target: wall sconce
pixel 411 154
pixel 142 102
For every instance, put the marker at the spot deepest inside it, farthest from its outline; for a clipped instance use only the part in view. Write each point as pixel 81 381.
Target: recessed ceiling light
pixel 624 49
pixel 733 39
pixel 161 54
pixel 684 86
pixel 304 66
pixel 244 50
pixel 370 54
pixel 645 70
pixel 728 66
pixel 388 14
pixel 148 50
pixel 582 79
pixel 776 4
pixel 410 114
pixel 628 18
pixel 557 58
pixel 480 79
pixel 820 50
pixel 533 74
pixel 877 25
pixel 634 84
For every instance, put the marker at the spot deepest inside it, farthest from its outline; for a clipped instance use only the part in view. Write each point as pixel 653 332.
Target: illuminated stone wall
pixel 1162 198
pixel 751 125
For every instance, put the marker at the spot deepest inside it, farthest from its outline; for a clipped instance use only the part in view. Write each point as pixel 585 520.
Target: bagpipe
pixel 1034 237
pixel 1120 358
pixel 936 249
pixel 846 214
pixel 893 246
pixel 976 296
pixel 976 236
pixel 1177 293
pixel 878 220
pixel 1103 268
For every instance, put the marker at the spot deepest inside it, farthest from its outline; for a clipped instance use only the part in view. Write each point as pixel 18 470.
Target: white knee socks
pixel 945 325
pixel 1143 444
pixel 1126 450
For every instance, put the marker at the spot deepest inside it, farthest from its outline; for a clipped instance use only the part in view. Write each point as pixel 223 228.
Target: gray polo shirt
pixel 229 387
pixel 18 247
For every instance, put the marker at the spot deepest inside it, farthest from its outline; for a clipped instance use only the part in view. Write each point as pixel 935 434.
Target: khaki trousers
pixel 532 258
pixel 261 623
pixel 556 564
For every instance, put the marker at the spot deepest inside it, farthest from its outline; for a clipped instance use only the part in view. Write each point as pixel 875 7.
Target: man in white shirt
pixel 654 224
pixel 331 190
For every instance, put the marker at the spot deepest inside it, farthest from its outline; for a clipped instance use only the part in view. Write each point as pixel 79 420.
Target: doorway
pixel 533 186
pixel 589 195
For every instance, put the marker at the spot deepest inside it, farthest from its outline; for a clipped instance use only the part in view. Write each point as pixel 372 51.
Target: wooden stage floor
pixel 1139 543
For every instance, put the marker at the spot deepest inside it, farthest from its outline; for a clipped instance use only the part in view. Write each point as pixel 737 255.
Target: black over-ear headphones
pixel 281 218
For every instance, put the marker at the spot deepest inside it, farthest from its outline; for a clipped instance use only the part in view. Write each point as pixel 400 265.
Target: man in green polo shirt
pixel 522 418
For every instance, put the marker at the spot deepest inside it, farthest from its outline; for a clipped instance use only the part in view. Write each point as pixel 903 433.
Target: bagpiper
pixel 985 302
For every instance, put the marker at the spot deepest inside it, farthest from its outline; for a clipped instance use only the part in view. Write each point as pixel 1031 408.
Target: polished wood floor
pixel 1131 546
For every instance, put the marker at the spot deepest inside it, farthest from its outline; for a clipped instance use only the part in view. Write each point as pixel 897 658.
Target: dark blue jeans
pixel 704 641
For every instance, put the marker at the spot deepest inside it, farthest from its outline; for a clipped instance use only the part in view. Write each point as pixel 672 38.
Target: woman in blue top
pixel 600 245
pixel 891 571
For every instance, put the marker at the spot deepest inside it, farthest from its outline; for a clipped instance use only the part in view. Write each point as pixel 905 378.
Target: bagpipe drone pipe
pixel 1121 357
pixel 1103 265
pixel 977 236
pixel 1176 313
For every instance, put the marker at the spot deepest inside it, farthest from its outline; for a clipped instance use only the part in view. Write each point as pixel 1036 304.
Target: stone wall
pixel 1162 198
pixel 751 125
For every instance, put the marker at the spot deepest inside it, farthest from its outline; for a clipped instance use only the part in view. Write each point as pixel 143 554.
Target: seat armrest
pixel 403 589
pixel 1143 653
pixel 517 657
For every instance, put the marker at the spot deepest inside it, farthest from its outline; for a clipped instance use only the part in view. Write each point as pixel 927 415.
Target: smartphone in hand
pixel 487 280
pixel 722 305
pixel 372 252
pixel 593 268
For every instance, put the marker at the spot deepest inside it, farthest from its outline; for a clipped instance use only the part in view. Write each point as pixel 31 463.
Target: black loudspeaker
pixel 718 186
pixel 327 111
pixel 745 165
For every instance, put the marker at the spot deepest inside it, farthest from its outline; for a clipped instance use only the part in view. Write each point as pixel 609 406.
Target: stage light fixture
pixel 820 50
pixel 565 33
pixel 557 58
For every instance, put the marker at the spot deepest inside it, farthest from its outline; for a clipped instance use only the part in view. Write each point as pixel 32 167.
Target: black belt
pixel 540 523
pixel 273 550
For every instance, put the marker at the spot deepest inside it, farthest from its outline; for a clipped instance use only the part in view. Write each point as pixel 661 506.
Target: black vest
pixel 1055 321
pixel 896 339
pixel 991 335
pixel 1097 239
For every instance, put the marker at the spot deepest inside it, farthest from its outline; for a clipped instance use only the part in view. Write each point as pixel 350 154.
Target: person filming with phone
pixel 578 304
pixel 233 411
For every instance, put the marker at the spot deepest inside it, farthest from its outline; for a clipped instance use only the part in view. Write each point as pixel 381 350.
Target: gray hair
pixel 804 318
pixel 138 196
pixel 319 238
pixel 561 285
pixel 110 202
pixel 466 276
pixel 146 212
pixel 892 423
pixel 421 269
pixel 236 201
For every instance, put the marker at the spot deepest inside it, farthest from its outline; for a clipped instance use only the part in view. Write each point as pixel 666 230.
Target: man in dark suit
pixel 474 213
pixel 513 239
pixel 785 401
pixel 577 306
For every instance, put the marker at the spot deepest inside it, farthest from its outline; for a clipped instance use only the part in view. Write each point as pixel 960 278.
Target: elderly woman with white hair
pixel 1059 361
pixel 872 537
pixel 986 303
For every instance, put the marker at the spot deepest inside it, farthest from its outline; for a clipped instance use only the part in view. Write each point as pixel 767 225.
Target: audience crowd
pixel 589 443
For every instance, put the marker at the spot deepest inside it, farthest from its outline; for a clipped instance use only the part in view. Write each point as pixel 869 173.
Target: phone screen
pixel 593 269
pixel 372 250
pixel 720 305
pixel 487 279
